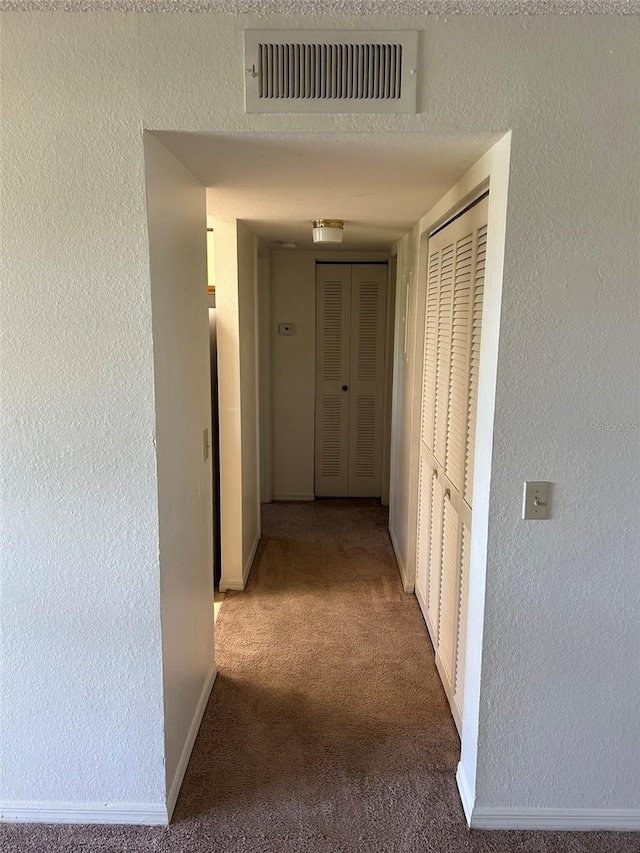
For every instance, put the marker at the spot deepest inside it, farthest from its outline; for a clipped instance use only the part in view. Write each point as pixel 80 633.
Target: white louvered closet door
pixel 453 321
pixel 351 302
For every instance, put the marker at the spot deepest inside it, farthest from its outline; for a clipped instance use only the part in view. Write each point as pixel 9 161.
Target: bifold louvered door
pixel 453 323
pixel 351 305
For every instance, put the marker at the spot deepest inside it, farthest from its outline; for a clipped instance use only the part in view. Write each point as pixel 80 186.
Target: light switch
pixel 286 329
pixel 535 503
pixel 205 445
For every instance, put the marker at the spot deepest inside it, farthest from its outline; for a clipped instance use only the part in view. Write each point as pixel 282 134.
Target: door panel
pixel 368 327
pixel 435 557
pixel 422 543
pixel 333 359
pixel 461 623
pixel 474 365
pixel 448 594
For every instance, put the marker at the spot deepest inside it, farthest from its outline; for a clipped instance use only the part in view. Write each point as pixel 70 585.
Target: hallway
pixel 328 729
pixel 322 664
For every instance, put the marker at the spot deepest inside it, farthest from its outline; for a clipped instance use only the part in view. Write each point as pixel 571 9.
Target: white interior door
pixel 453 321
pixel 351 305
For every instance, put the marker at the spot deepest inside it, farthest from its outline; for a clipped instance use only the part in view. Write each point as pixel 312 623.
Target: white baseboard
pixel 181 769
pixel 294 496
pixel 407 584
pixel 558 820
pixel 52 811
pixel 235 586
pixel 139 814
pixel 464 790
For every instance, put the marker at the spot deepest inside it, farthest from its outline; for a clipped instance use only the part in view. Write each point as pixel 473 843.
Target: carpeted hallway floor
pixel 327 728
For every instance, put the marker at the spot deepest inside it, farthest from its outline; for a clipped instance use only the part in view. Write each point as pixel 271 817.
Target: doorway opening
pixel 262 196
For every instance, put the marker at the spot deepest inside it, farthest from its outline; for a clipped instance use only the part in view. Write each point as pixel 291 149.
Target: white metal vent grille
pixel 311 71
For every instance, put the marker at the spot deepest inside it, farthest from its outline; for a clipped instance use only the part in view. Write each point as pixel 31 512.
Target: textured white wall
pixel 79 523
pixel 293 374
pixel 82 713
pixel 176 209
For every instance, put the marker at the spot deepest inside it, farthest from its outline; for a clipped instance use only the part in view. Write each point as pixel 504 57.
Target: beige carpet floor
pixel 327 729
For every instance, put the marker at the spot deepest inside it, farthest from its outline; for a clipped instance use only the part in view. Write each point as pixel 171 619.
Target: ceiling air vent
pixel 330 72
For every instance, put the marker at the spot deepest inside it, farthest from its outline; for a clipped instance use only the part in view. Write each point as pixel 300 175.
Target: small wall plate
pixel 535 502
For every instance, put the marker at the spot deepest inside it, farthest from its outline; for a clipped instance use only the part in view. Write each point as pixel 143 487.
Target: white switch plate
pixel 535 502
pixel 286 329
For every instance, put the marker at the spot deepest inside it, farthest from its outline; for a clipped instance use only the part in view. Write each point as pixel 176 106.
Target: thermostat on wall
pixel 286 329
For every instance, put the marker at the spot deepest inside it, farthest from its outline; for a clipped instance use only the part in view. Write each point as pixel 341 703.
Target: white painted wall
pixel 293 360
pixel 235 259
pixel 557 727
pixel 176 209
pixel 292 374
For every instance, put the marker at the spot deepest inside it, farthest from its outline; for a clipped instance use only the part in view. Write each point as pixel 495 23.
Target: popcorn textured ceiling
pixel 338 7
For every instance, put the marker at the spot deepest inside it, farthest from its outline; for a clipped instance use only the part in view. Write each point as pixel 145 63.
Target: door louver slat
pixel 368 332
pixel 421 539
pixel 461 620
pixel 331 445
pixel 435 556
pixel 457 403
pixel 448 589
pixel 443 353
pixel 366 435
pixel 474 366
pixel 332 355
pixel 429 365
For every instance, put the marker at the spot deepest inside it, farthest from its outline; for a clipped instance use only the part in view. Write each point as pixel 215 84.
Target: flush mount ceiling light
pixel 328 230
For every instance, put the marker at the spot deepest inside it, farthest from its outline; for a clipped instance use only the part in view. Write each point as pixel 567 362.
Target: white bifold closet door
pixel 453 324
pixel 351 307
